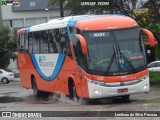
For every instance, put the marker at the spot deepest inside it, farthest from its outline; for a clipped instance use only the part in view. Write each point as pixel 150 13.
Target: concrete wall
pixel 13 66
pixel 7 13
pixel 31 5
pixel 25 11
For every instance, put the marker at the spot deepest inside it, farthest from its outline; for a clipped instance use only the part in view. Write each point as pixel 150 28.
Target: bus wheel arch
pixel 36 91
pixel 32 78
pixel 72 89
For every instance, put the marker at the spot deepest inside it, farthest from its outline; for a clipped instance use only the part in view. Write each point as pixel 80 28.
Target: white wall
pixel 7 13
pixel 13 66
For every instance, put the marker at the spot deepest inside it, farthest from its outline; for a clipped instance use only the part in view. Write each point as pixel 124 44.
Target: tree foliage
pixel 7 47
pixel 149 18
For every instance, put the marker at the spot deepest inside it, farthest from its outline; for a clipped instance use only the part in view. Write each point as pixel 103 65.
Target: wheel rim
pixel 74 92
pixel 4 80
pixel 75 97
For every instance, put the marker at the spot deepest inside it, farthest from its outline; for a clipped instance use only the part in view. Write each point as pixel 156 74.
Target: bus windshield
pixel 115 52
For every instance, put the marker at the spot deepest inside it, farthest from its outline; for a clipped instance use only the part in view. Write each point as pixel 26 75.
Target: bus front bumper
pixel 97 90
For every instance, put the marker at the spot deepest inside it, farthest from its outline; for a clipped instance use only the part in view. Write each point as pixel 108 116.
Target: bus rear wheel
pixel 38 93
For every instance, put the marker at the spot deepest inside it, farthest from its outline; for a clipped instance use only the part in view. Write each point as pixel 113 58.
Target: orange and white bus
pixel 90 56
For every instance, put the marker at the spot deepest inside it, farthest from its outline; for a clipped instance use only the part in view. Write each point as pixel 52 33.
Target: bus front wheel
pixel 73 93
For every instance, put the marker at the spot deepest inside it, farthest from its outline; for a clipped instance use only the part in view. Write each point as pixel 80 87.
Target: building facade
pixel 27 13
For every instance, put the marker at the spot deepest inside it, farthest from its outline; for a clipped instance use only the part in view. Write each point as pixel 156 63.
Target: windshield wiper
pixel 126 59
pixel 111 61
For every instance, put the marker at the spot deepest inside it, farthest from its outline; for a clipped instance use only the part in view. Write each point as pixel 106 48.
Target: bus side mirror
pixel 83 43
pixel 150 37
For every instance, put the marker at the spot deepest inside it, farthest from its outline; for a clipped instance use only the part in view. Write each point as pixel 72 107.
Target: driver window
pixel 74 41
pixel 77 48
pixel 80 56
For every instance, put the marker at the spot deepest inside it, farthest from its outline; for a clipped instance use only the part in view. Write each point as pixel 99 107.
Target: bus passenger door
pixel 78 59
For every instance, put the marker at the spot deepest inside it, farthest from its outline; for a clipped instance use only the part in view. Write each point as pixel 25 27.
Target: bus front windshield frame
pixel 116 52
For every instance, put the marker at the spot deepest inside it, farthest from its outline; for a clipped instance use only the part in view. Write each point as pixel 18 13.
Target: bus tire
pixel 73 92
pixel 38 93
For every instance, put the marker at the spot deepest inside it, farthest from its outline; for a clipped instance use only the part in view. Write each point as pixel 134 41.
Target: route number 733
pixel 100 78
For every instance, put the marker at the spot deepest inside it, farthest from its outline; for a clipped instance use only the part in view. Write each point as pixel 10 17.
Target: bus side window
pixel 52 45
pixel 53 41
pixel 26 43
pixel 74 41
pixel 50 38
pixel 40 41
pixel 21 43
pixel 35 43
pixel 57 39
pixel 30 38
pixel 45 42
pixel 64 42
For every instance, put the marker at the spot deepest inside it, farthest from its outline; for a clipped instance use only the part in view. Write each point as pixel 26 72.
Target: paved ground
pixel 13 97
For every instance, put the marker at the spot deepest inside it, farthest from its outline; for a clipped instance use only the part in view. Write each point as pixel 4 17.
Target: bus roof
pixel 85 22
pixel 105 23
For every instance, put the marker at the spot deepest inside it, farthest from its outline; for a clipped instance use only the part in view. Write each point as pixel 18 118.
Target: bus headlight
pixel 144 77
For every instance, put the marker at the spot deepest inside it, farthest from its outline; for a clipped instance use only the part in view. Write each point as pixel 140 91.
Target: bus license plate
pixel 122 90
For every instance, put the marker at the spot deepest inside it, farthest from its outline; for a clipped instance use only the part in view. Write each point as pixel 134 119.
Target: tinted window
pixel 80 58
pixel 129 43
pixel 35 43
pixel 47 41
pixel 30 39
pixel 158 64
pixel 21 43
pixel 52 44
pixel 152 65
pixel 74 41
pixel 101 50
pixel 26 43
